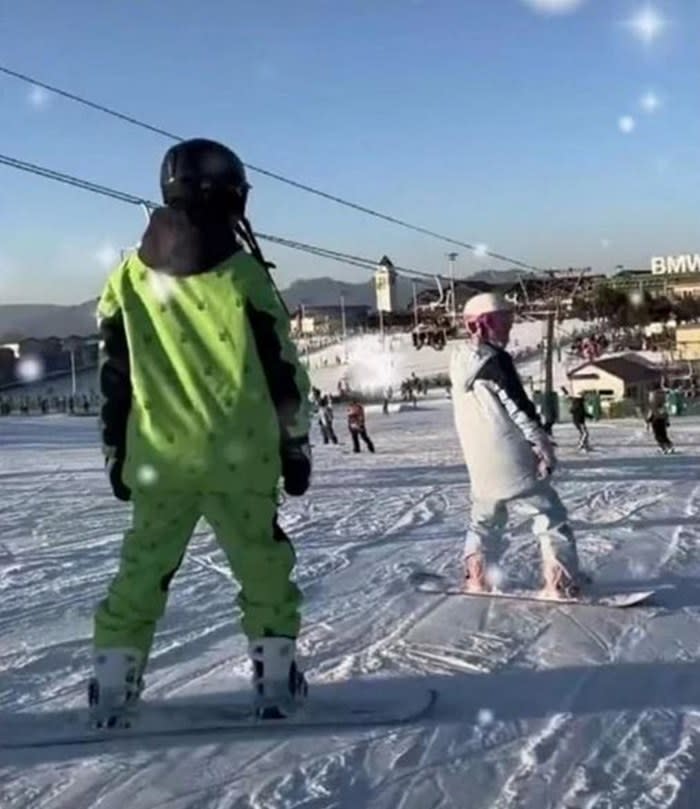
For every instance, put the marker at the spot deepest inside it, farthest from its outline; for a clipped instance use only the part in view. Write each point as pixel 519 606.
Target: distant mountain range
pixel 18 321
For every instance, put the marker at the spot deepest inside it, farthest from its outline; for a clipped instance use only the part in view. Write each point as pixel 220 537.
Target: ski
pixel 436 584
pixel 178 719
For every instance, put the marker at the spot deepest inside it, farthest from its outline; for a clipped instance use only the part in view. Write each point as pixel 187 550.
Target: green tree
pixel 660 309
pixel 610 303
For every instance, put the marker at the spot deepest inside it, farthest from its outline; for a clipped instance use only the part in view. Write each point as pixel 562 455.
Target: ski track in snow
pixel 540 706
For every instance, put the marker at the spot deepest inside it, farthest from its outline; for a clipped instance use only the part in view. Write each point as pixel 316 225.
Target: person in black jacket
pixel 577 409
pixel 658 420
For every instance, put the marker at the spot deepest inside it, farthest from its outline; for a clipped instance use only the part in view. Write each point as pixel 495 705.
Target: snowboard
pixel 435 583
pixel 221 716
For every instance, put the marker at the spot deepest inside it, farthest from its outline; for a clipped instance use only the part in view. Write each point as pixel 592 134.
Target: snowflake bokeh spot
pixel 146 475
pixel 649 102
pixel 107 256
pixel 647 24
pixel 162 286
pixel 626 124
pixel 38 97
pixel 30 369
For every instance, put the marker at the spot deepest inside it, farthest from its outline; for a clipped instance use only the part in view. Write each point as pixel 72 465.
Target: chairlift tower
pixel 556 287
pixel 452 257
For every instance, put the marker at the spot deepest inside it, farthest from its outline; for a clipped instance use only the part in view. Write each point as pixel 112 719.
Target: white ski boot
pixel 280 688
pixel 115 690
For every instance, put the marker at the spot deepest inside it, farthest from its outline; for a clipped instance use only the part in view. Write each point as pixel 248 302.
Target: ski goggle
pixel 491 322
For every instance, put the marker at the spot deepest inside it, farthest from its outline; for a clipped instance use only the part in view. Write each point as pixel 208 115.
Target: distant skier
pixel 325 420
pixel 658 420
pixel 388 396
pixel 413 389
pixel 577 409
pixel 357 427
pixel 205 407
pixel 508 454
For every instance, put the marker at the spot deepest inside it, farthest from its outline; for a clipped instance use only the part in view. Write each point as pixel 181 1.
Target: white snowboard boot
pixel 558 583
pixel 280 688
pixel 114 691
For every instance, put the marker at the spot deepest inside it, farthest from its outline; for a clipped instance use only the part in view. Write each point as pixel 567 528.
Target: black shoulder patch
pixel 279 374
pixel 500 370
pixel 115 383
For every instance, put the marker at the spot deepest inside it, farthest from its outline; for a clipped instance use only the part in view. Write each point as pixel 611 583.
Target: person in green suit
pixel 205 408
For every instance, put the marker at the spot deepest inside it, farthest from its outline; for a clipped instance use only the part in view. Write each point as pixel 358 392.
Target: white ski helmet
pixel 484 303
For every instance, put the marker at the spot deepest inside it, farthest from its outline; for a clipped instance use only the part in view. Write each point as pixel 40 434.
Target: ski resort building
pixel 615 378
pixel 688 342
pixel 329 318
pixel 642 281
pixel 670 276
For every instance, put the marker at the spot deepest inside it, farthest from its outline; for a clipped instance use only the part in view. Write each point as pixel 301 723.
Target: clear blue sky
pixel 485 119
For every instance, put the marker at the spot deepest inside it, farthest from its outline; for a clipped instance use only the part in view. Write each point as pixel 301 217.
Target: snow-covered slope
pixel 372 365
pixel 86 382
pixel 539 706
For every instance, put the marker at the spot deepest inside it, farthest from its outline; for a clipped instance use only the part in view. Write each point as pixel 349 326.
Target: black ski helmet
pixel 201 172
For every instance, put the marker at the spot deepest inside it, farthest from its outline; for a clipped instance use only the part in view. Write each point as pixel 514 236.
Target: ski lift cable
pixel 266 172
pixel 359 261
pixel 86 185
pixel 132 199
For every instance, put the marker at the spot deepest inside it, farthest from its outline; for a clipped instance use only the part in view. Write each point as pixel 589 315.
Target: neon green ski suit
pixel 202 388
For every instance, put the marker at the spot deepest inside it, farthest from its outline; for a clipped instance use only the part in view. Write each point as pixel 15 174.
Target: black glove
pixel 296 465
pixel 114 465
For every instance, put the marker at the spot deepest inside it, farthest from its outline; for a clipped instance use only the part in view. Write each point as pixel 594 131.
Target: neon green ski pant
pixel 260 555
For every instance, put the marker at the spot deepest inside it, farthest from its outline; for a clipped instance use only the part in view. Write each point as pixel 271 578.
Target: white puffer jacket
pixel 499 429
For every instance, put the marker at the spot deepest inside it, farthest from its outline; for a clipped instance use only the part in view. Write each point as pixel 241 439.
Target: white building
pixel 615 378
pixel 13 347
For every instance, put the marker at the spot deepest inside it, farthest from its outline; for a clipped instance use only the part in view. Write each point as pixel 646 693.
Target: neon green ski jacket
pixel 202 382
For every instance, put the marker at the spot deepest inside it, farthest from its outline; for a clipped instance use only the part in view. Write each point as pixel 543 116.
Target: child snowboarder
pixel 658 420
pixel 205 407
pixel 508 454
pixel 356 425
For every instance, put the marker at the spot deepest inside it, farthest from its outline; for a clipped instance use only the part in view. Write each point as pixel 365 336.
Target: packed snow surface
pixel 540 706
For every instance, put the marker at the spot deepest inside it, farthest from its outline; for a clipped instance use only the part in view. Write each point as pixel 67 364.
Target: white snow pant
pixel 549 524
